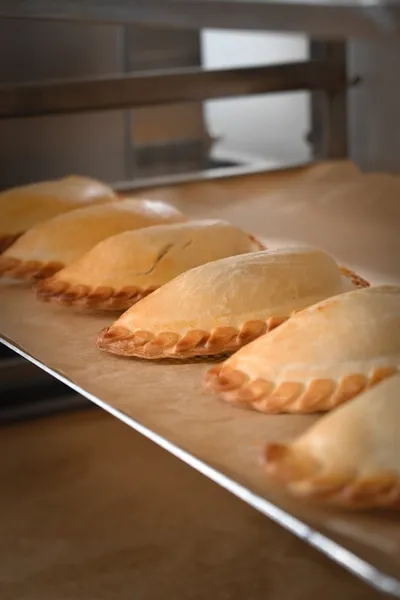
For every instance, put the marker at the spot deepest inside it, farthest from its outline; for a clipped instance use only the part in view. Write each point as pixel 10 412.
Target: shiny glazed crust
pixel 195 342
pixel 304 477
pixel 6 239
pixel 15 268
pixel 289 396
pixel 82 296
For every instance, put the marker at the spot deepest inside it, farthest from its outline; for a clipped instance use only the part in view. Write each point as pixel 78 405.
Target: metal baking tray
pixel 166 402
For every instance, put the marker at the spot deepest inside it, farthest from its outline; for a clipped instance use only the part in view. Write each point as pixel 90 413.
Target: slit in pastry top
pixel 24 207
pixel 350 457
pixel 122 269
pixel 223 305
pixel 49 246
pixel 321 357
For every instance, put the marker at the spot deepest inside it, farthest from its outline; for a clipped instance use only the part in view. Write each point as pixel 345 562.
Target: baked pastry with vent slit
pixel 220 306
pixel 124 268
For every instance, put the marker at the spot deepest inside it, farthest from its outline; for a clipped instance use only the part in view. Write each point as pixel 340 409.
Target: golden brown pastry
pixel 23 207
pixel 222 305
pixel 350 457
pixel 126 267
pixel 50 246
pixel 321 357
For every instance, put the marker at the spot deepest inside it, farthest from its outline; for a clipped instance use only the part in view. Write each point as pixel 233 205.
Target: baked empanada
pixel 50 246
pixel 222 305
pixel 350 457
pixel 124 268
pixel 321 357
pixel 23 207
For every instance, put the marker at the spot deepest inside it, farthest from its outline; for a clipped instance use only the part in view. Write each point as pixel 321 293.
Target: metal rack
pixel 324 74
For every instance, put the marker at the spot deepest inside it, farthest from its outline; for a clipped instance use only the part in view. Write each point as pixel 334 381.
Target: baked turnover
pixel 23 207
pixel 50 246
pixel 222 305
pixel 350 457
pixel 321 357
pixel 124 268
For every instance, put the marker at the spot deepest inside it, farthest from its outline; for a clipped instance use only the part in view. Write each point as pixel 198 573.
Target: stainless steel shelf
pixel 169 87
pixel 323 18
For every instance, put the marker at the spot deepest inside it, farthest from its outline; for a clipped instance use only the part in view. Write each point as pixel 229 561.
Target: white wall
pixel 271 126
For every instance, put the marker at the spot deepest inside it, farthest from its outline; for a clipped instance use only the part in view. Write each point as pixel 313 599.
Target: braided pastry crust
pixel 290 396
pixel 27 270
pixel 7 239
pixel 83 296
pixel 303 476
pixel 194 342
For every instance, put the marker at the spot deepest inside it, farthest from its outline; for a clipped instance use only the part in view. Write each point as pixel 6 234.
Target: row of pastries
pixel 294 331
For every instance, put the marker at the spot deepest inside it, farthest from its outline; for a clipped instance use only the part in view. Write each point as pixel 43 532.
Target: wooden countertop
pixel 93 511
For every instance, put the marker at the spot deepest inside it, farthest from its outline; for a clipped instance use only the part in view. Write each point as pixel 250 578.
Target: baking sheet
pixel 166 402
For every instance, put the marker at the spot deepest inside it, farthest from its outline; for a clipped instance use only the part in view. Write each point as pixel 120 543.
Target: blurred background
pixel 120 145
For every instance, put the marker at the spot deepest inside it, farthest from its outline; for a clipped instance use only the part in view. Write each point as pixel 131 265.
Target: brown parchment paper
pixel 354 217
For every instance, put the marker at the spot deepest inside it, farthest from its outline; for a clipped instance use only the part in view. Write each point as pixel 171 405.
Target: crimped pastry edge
pixel 302 475
pixel 16 268
pixel 195 342
pixel 317 395
pixel 83 296
pixel 7 239
pixel 143 344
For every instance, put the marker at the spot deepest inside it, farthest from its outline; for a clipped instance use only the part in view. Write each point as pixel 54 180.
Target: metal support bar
pixel 167 87
pixel 329 107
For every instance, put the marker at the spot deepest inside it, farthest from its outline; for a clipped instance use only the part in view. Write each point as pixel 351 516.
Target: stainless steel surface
pixel 173 87
pixel 240 166
pixel 326 18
